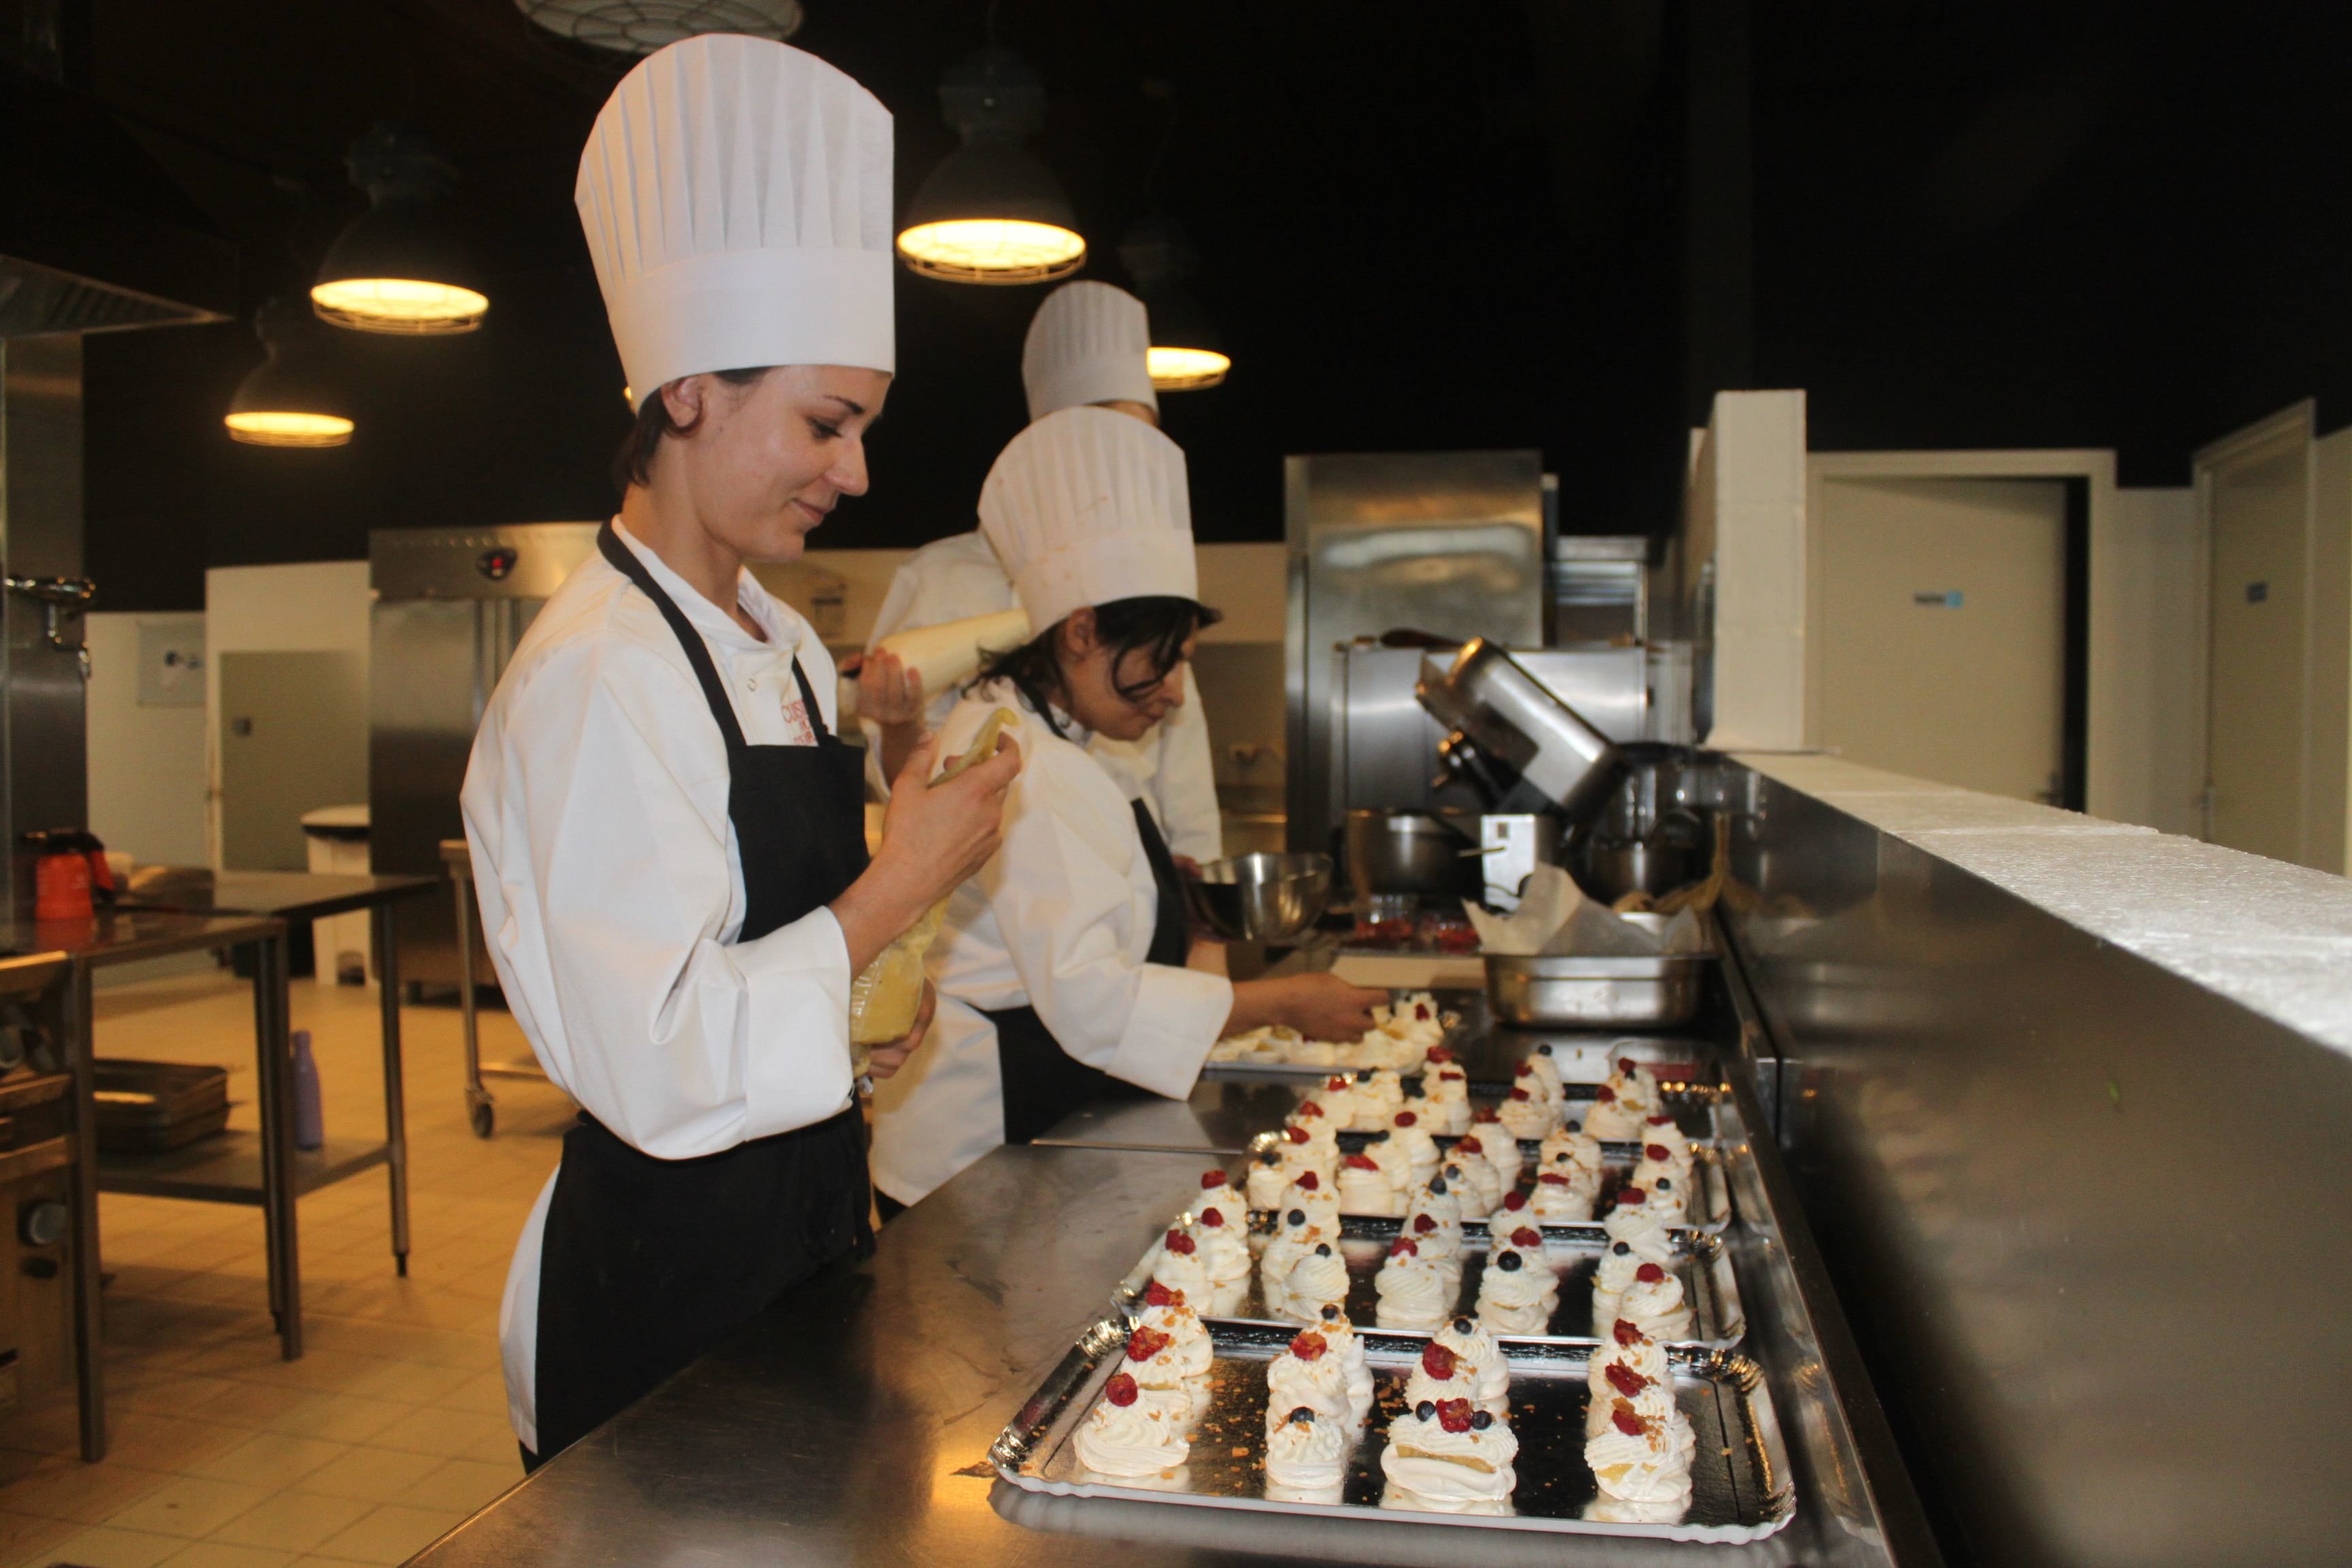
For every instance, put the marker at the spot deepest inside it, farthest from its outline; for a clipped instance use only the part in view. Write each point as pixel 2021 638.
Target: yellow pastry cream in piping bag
pixel 888 991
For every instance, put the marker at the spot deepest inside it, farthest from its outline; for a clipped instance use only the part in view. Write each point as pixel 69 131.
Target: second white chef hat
pixel 1088 342
pixel 1087 506
pixel 736 196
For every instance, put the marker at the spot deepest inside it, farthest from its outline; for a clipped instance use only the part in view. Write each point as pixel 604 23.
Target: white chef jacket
pixel 1058 920
pixel 611 888
pixel 959 577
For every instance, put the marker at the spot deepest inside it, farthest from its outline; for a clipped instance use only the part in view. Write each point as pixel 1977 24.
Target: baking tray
pixel 1740 1492
pixel 1469 1006
pixel 1718 1321
pixel 1711 1215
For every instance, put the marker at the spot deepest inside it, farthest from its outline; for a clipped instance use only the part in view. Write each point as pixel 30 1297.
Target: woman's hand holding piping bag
pixel 931 840
pixel 892 695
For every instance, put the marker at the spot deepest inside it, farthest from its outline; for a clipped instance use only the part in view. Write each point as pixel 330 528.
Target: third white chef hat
pixel 1088 342
pixel 736 196
pixel 1087 506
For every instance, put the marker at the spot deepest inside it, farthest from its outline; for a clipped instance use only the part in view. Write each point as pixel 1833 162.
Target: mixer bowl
pixel 1262 897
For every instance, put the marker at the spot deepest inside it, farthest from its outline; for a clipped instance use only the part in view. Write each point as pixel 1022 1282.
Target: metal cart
pixel 480 1103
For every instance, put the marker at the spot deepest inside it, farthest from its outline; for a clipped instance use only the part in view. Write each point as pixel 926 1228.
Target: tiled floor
pixel 393 1428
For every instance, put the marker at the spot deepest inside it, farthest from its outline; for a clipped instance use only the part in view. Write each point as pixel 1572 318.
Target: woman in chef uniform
pixel 666 832
pixel 1061 969
pixel 1088 346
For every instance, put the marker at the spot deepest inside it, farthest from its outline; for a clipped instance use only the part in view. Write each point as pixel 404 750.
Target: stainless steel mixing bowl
pixel 1262 897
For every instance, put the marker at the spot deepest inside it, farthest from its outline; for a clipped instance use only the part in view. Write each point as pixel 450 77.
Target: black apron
pixel 1041 1082
pixel 646 1263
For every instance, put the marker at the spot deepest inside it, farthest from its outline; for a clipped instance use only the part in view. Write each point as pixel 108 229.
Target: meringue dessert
pixel 1295 1235
pixel 1447 1090
pixel 1612 1277
pixel 1666 1194
pixel 1612 1119
pixel 1365 1189
pixel 1306 1453
pixel 1380 1095
pixel 1318 1196
pixel 1473 1183
pixel 1627 1362
pixel 1560 1199
pixel 1450 1457
pixel 1339 1335
pixel 1269 1175
pixel 1181 1266
pixel 1217 1191
pixel 1416 1291
pixel 1641 1466
pixel 1659 1131
pixel 1155 1362
pixel 1136 1431
pixel 1635 1220
pixel 1166 1312
pixel 1545 1066
pixel 1654 1303
pixel 1223 1240
pixel 1318 1279
pixel 1440 1376
pixel 1475 1349
pixel 1336 1102
pixel 1570 1147
pixel 1308 1373
pixel 1518 1291
pixel 1412 1139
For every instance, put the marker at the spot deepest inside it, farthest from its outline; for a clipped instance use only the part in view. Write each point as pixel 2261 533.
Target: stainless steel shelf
pixel 226 1168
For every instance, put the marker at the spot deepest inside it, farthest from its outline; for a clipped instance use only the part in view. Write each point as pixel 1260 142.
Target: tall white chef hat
pixel 736 196
pixel 1087 506
pixel 1088 342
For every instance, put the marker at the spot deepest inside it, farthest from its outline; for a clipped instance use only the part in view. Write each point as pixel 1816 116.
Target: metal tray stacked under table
pixel 1740 1487
pixel 1573 1251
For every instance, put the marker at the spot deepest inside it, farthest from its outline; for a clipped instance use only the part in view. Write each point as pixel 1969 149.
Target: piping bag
pixel 888 991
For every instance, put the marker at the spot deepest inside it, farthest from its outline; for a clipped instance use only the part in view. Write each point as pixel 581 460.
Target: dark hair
pixel 634 463
pixel 1159 622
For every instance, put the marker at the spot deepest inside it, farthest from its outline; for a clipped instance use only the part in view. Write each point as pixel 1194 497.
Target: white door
pixel 2256 494
pixel 1938 628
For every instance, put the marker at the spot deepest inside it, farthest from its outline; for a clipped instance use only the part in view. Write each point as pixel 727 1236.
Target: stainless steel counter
pixel 852 1423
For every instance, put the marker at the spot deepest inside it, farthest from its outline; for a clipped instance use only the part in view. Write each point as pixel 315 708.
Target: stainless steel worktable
pixel 852 1423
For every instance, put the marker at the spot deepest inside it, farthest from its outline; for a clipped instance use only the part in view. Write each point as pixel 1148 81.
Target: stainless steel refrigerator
pixel 450 605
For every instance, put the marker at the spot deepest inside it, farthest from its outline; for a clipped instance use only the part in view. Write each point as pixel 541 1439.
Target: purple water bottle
pixel 309 1116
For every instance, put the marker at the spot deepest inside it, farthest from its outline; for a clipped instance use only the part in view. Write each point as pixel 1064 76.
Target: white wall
pixel 2148 665
pixel 319 606
pixel 147 780
pixel 1747 491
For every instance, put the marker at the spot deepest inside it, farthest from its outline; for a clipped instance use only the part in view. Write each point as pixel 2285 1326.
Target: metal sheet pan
pixel 1741 1489
pixel 1573 1251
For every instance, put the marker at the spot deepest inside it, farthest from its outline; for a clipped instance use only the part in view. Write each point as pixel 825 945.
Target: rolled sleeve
pixel 1179 1013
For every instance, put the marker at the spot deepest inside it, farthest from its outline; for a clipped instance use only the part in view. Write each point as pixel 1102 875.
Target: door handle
pixel 58 597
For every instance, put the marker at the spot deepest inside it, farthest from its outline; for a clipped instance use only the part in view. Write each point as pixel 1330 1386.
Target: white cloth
pixel 1088 342
pixel 736 196
pixel 1058 920
pixel 611 887
pixel 1170 769
pixel 1087 506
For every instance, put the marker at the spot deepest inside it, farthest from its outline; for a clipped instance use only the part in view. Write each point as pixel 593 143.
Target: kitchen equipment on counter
pixel 1433 853
pixel 1262 897
pixel 1512 739
pixel 1651 991
pixel 1650 836
pixel 1511 846
pixel 1451 542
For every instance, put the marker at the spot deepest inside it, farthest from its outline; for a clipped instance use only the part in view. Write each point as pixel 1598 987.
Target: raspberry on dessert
pixel 1626 1332
pixel 1454 1414
pixel 1212 1180
pixel 1521 1095
pixel 1296 1135
pixel 1158 1295
pixel 1449 1076
pixel 1514 1201
pixel 1335 1081
pixel 1486 1114
pixel 1215 1218
pixel 1625 1380
pixel 1605 1094
pixel 1441 1053
pixel 1654 1150
pixel 1361 1163
pixel 1308 1346
pixel 1400 1248
pixel 1523 1070
pixel 1179 1242
pixel 1629 1197
pixel 1407 1119
pixel 1523 1237
pixel 1466 1144
pixel 1120 1390
pixel 1308 1108
pixel 1308 1181
pixel 1662 1120
pixel 1626 1066
pixel 1437 1360
pixel 1649 1274
pixel 1145 1344
pixel 1628 1420
pixel 1423 1223
pixel 1421 1013
pixel 1552 1179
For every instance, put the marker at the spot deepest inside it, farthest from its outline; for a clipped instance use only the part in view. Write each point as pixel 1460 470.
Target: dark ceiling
pixel 1532 223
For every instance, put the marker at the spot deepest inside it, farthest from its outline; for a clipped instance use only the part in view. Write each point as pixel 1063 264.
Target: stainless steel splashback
pixel 43 772
pixel 2087 1218
pixel 1447 542
pixel 450 605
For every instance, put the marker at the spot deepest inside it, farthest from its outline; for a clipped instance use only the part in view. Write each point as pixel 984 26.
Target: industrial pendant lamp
pixel 990 213
pixel 1187 354
pixel 641 27
pixel 399 267
pixel 289 399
